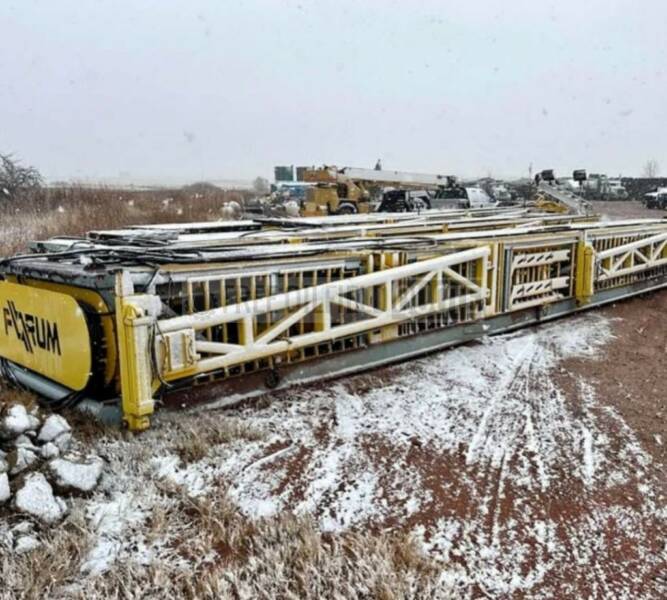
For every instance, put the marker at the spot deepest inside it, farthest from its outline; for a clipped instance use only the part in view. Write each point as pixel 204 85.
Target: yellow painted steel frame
pixel 550 206
pixel 585 272
pixel 178 346
pixel 399 288
pixel 135 319
pixel 393 291
pixel 633 257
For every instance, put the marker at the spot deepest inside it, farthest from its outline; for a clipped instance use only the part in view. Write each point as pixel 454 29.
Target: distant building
pixel 284 173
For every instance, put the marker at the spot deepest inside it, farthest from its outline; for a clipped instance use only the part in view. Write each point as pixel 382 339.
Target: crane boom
pixel 395 177
pixel 571 202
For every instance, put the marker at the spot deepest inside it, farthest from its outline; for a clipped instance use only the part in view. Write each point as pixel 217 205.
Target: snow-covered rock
pixel 23 441
pixel 20 459
pixel 16 421
pixel 49 450
pixel 53 427
pixel 72 475
pixel 63 441
pixel 25 544
pixel 4 488
pixel 36 498
pixel 23 527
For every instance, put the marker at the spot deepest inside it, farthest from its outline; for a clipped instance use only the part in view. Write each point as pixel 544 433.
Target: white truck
pixel 657 199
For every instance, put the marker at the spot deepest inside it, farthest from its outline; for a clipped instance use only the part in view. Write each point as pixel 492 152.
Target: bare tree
pixel 651 168
pixel 15 178
pixel 261 185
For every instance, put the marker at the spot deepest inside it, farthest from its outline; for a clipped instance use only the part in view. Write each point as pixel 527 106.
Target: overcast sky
pixel 211 89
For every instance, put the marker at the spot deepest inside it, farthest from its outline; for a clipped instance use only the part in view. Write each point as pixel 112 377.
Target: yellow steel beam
pixel 585 272
pixel 135 318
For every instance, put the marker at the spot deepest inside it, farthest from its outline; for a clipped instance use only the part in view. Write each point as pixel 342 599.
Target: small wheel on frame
pixel 272 379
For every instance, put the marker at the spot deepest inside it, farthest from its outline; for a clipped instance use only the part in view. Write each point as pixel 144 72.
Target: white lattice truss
pixel 539 289
pixel 399 305
pixel 632 258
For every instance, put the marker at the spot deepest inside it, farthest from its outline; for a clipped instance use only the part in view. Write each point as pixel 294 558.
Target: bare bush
pixel 203 188
pixel 261 185
pixel 651 169
pixel 15 178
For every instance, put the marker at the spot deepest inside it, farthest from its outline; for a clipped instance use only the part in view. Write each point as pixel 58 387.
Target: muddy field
pixel 522 464
pixel 626 210
pixel 527 465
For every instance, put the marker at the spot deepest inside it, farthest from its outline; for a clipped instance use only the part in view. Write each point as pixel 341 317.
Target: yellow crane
pixel 350 190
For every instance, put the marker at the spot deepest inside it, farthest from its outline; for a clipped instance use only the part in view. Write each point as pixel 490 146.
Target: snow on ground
pixel 477 451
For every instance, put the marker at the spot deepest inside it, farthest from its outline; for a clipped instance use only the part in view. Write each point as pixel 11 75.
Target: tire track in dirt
pixel 517 486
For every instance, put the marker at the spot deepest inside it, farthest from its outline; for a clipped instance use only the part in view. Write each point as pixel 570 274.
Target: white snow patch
pixel 589 461
pixel 442 538
pixel 194 478
pixel 354 504
pixel 111 521
pixel 102 556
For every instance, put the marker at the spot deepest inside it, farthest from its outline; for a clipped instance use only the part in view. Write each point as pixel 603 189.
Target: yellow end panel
pixel 45 332
pixel 93 300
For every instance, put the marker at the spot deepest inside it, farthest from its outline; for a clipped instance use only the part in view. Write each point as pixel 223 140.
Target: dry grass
pixel 87 429
pixel 228 556
pixel 194 442
pixel 224 555
pixel 13 396
pixel 51 568
pixel 76 210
